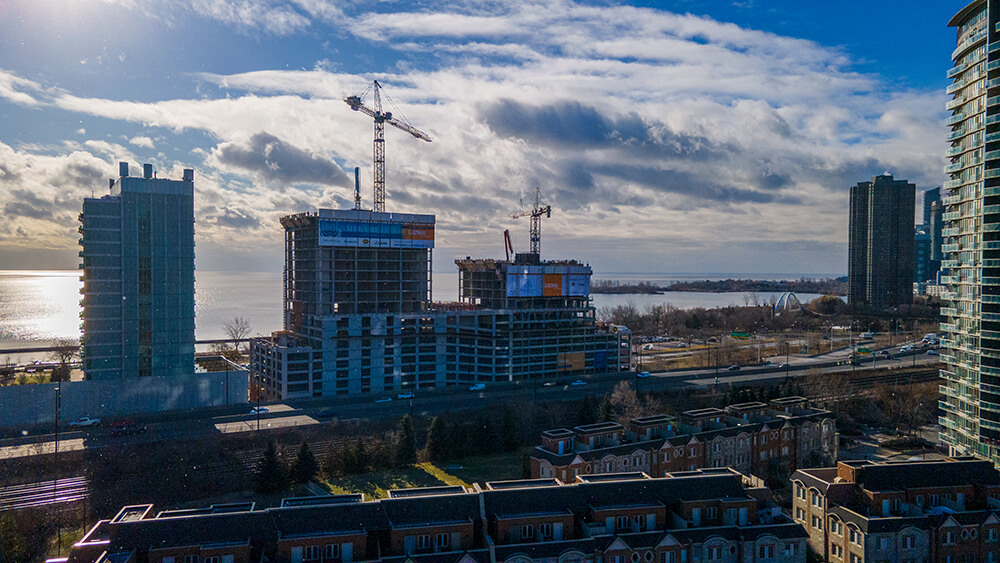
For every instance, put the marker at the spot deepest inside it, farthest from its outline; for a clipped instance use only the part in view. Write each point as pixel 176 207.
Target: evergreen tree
pixel 508 432
pixel 270 472
pixel 437 440
pixel 362 458
pixel 305 467
pixel 13 546
pixel 334 462
pixel 604 411
pixel 405 445
pixel 588 411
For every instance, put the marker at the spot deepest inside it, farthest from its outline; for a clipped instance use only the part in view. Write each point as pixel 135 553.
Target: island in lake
pixel 829 286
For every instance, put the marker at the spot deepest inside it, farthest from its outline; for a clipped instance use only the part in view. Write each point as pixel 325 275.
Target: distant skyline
pixel 672 136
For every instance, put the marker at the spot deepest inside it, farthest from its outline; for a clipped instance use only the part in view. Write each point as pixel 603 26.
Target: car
pixel 906 348
pixel 647 346
pixel 406 395
pixel 383 400
pixel 883 353
pixel 733 367
pixel 482 387
pixel 578 382
pixel 549 384
pixel 782 366
pixel 642 374
pixel 126 427
pixel 932 352
pixel 258 410
pixel 85 421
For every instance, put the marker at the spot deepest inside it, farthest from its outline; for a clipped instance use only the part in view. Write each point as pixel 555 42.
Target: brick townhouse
pixel 752 438
pixel 945 511
pixel 710 516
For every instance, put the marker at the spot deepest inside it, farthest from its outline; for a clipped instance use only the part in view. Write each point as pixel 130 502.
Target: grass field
pixel 463 472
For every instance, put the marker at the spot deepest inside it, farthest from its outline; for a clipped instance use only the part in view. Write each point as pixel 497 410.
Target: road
pixel 306 412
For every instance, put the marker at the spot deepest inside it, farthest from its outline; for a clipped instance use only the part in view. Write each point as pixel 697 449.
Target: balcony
pixel 955 70
pixel 992 173
pixel 951 199
pixel 950 216
pixel 951 184
pixel 957 118
pixel 950 232
pixel 957 134
pixel 949 312
pixel 968 44
pixel 958 101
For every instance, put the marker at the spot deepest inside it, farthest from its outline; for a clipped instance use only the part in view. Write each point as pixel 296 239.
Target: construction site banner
pixel 376 234
pixel 579 285
pixel 553 285
pixel 524 284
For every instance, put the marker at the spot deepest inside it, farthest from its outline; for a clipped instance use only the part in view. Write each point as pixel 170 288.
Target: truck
pixel 868 335
pixel 930 338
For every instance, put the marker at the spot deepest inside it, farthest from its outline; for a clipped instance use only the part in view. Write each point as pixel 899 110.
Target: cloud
pixel 140 141
pixel 278 162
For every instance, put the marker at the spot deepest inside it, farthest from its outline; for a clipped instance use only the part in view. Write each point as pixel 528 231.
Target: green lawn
pixel 462 472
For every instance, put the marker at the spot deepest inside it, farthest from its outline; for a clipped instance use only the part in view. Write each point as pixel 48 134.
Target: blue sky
pixel 704 136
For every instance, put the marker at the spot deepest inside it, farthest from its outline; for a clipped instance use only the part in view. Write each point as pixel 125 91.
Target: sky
pixel 668 136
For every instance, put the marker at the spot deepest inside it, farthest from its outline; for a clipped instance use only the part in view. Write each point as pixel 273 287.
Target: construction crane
pixel 381 118
pixel 507 246
pixel 535 232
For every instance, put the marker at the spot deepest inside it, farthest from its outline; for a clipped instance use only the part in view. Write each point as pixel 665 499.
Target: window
pixel 190 559
pixel 784 451
pixel 710 513
pixel 765 551
pixel 855 535
pixel 763 438
pixel 717 447
pixel 212 559
pixel 800 514
pixel 909 542
pixel 935 499
pixel 692 451
pixel 949 538
pixel 666 456
pixel 332 551
pixel 836 551
pixel 817 523
pixel 991 534
pixel 621 523
pixel 883 543
pixel 800 492
pixel 527 532
pixel 424 541
pixel 817 500
pixel 167 560
pixel 791 549
pixel 713 553
pixel 667 557
pixel 309 553
pixel 639 522
pixel 442 541
pixel 919 500
pixel 855 558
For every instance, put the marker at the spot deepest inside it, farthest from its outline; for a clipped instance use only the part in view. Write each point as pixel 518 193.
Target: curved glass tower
pixel 970 424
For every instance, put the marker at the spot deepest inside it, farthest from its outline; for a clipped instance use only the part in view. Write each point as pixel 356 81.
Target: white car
pixel 478 387
pixel 405 396
pixel 85 421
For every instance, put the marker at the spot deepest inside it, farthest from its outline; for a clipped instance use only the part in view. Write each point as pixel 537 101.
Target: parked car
pixel 733 368
pixel 85 421
pixel 383 400
pixel 258 410
pixel 932 352
pixel 406 395
pixel 578 382
pixel 642 374
pixel 482 387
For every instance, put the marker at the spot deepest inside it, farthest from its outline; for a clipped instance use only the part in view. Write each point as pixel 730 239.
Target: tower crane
pixel 536 213
pixel 381 118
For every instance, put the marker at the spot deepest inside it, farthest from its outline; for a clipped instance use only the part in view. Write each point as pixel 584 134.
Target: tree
pixel 437 440
pixel 334 462
pixel 624 403
pixel 588 411
pixel 405 446
pixel 270 473
pixel 13 546
pixel 304 467
pixel 604 411
pixel 64 352
pixel 508 432
pixel 237 329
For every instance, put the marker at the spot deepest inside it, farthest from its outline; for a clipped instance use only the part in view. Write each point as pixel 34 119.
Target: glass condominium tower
pixel 138 277
pixel 970 424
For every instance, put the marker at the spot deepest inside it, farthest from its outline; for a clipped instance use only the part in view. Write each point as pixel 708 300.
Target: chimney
pixel 188 175
pixel 123 169
pixel 147 171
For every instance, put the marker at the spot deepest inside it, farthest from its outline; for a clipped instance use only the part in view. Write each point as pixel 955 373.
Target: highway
pixel 306 412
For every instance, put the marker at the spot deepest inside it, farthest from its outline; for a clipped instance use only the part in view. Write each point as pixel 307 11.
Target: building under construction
pixel 359 317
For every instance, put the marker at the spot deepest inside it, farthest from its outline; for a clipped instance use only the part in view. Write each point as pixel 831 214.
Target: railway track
pixel 43 493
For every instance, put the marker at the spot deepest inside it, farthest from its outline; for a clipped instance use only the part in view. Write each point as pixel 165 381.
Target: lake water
pixel 37 307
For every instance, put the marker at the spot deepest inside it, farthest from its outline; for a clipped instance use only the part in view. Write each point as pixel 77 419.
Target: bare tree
pixel 7 372
pixel 237 329
pixel 64 352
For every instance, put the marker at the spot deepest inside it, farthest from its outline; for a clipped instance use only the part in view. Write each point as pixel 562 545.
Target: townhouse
pixel 692 517
pixel 913 511
pixel 753 438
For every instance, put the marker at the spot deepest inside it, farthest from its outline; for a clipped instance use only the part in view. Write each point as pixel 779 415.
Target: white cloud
pixel 141 141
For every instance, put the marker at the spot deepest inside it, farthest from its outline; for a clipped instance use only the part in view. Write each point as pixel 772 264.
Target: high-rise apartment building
pixel 970 424
pixel 138 277
pixel 880 267
pixel 933 210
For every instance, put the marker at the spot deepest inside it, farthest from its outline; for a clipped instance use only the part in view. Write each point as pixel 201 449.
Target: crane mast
pixel 378 144
pixel 535 228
